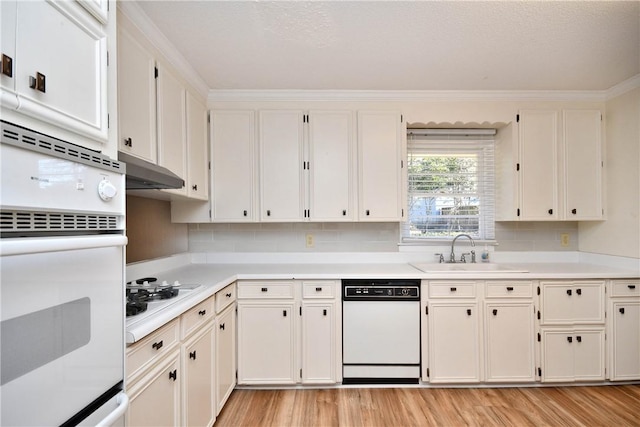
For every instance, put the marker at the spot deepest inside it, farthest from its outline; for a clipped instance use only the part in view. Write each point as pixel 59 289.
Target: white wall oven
pixel 62 283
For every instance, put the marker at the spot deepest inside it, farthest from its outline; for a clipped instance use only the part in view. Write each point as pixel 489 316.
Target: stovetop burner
pixel 145 290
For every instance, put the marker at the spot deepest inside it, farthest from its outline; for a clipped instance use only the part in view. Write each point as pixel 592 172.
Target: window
pixel 450 186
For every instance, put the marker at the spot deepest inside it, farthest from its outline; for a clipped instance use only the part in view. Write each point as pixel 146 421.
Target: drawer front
pixel 625 288
pixel 319 289
pixel 265 290
pixel 148 351
pixel 452 289
pixel 225 297
pixel 197 316
pixel 509 289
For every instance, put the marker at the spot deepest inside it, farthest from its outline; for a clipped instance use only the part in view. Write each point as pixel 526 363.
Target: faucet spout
pixel 452 256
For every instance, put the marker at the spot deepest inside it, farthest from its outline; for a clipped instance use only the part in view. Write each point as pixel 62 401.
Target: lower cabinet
pixel 198 392
pixel 624 330
pixel 225 355
pixel 575 354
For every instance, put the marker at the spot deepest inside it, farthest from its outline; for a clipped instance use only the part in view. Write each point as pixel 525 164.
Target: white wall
pixel 620 233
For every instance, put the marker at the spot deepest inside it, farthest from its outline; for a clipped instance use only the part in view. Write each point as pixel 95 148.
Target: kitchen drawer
pixel 625 288
pixel 148 351
pixel 265 290
pixel 319 289
pixel 197 316
pixel 452 289
pixel 224 297
pixel 509 289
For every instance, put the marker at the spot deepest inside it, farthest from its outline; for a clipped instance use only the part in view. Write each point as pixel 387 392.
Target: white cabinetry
pixel 509 332
pixel 454 333
pixel 572 331
pixel 197 176
pixel 233 179
pixel 54 68
pixel 199 378
pixel 624 330
pixel 550 168
pixel 381 147
pixel 225 344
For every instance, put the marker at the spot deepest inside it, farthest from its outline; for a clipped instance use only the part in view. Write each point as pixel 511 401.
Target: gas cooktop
pixel 147 296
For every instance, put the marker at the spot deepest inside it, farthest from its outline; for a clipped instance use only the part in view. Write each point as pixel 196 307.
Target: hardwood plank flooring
pixel 392 407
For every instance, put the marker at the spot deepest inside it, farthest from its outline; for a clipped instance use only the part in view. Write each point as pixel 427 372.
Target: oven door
pixel 62 327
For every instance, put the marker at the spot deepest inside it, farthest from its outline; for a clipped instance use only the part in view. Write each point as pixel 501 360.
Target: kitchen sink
pixel 468 268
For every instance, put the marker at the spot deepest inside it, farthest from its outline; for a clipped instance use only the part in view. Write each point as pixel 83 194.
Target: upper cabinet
pixel 552 167
pixel 197 176
pixel 381 148
pixel 54 69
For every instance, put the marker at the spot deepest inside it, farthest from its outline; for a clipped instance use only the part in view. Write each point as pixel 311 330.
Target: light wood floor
pixel 535 406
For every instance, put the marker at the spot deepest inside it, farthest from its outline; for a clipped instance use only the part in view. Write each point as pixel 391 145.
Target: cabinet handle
pixel 222 326
pixel 367 212
pixel 574 211
pixel 453 289
pixel 344 212
pixel 192 355
pixel 244 213
pixel 631 286
pixel 157 345
pixel 7 65
pixel 318 289
pixel 228 295
pixel 468 312
pixel 569 292
pixel 128 142
pixel 173 375
pixel 284 313
pixel 495 311
pixel 509 288
pixel 202 312
pixel 268 212
pixel 579 291
pixel 621 310
pixel 194 187
pixel 570 339
pixel 39 82
pixel 550 211
pixel 324 312
pixel 264 289
pixel 579 338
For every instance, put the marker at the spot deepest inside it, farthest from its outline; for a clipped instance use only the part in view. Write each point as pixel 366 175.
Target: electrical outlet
pixel 309 240
pixel 564 239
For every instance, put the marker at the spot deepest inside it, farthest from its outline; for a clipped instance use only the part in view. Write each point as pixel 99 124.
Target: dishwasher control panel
pixel 380 290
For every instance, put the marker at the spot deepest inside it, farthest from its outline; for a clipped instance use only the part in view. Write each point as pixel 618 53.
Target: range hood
pixel 143 175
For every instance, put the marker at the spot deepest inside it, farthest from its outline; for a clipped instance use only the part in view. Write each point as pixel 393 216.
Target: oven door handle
pixel 25 245
pixel 123 404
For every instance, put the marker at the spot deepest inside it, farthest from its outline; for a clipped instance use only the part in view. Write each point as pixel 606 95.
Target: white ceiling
pixel 404 45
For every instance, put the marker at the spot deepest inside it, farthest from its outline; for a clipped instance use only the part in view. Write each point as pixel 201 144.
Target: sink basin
pixel 467 268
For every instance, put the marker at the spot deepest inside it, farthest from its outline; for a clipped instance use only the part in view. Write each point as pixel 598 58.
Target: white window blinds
pixel 450 186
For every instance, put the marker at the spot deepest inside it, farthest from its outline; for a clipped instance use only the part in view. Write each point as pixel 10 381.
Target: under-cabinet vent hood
pixel 143 175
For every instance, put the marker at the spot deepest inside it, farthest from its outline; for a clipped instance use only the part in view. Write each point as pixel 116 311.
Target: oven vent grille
pixel 34 141
pixel 51 221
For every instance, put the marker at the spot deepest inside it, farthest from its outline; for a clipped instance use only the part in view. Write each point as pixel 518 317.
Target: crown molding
pixel 140 19
pixel 623 87
pixel 401 95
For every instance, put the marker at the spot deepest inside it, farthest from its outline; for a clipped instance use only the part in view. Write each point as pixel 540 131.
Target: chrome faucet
pixel 452 257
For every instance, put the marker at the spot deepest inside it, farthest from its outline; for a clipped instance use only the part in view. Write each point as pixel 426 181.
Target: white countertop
pixel 214 277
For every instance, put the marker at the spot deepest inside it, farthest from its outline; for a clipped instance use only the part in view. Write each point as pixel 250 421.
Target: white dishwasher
pixel 380 331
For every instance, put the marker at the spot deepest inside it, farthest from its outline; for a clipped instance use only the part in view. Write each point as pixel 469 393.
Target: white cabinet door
pixel 225 355
pixel 233 165
pixel 59 66
pixel 572 303
pixel 136 98
pixel 172 133
pixel 454 342
pixel 570 355
pixel 330 167
pixel 583 164
pixel 509 342
pixel 197 160
pixel 380 151
pixel 625 348
pixel 557 356
pixel 589 355
pixel 198 393
pixel 281 157
pixel 155 398
pixel 538 143
pixel 319 342
pixel 267 343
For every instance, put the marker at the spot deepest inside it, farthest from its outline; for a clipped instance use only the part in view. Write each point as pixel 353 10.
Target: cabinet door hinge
pixel 426 310
pixel 401 164
pixel 208 117
pixel 209 213
pixel 301 315
pixel 401 118
pixel 538 314
pixel 155 72
pixel 402 212
pixel 428 373
pixel 209 165
pixel 538 291
pixel 517 167
pixel 540 372
pixel 108 118
pixel 300 373
pixel 107 58
pixel 517 118
pixel 539 337
pixel 236 375
pixel 518 212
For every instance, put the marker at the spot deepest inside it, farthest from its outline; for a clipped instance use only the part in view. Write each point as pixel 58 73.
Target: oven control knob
pixel 106 190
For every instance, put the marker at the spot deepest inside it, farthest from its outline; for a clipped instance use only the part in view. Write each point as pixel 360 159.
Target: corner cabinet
pixel 381 154
pixel 54 68
pixel 624 330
